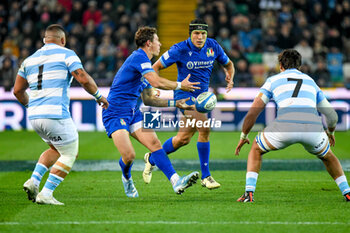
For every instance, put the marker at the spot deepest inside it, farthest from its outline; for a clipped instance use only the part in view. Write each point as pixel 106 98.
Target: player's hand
pixel 331 138
pixel 182 104
pixel 229 81
pixel 186 85
pixel 240 145
pixel 103 102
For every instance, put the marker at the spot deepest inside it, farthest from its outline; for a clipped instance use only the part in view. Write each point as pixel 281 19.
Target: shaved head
pixel 55 34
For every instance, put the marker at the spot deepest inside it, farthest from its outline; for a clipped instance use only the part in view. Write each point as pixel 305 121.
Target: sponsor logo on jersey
pixel 210 52
pixel 166 55
pixel 146 65
pixel 55 138
pixel 199 64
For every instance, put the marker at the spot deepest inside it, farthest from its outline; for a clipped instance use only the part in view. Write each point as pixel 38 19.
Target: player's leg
pixel 318 144
pixel 261 145
pixel 122 141
pixel 150 140
pixel 46 160
pixel 64 138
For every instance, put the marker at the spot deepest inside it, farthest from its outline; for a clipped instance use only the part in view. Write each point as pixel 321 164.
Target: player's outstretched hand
pixel 186 85
pixel 240 145
pixel 103 102
pixel 182 104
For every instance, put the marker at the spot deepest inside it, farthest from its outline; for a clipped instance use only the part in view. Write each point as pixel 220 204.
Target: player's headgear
pixel 198 24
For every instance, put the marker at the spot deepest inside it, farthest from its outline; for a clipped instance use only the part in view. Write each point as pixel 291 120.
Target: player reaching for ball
pixel 194 56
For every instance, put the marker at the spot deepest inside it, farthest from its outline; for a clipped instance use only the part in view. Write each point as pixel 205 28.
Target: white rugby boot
pixel 147 172
pixel 210 183
pixel 47 200
pixel 31 190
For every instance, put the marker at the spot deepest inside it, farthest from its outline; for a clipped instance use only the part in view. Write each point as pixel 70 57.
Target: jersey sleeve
pixel 73 61
pixel 171 56
pixel 319 96
pixel 222 58
pixel 21 71
pixel 143 65
pixel 265 90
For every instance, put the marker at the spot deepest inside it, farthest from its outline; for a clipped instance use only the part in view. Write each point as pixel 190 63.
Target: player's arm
pixel 158 82
pixel 157 66
pixel 90 86
pixel 150 99
pixel 326 109
pixel 229 72
pixel 19 90
pixel 257 107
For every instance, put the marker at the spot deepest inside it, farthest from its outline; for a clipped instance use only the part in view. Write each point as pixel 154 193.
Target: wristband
pixel 171 103
pixel 178 86
pixel 243 136
pixel 97 95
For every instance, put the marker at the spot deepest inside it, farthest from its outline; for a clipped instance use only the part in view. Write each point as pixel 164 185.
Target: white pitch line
pixel 169 223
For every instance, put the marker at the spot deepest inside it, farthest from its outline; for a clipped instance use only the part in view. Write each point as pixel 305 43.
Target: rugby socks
pixel 126 169
pixel 203 153
pixel 51 184
pixel 168 148
pixel 250 182
pixel 343 184
pixel 162 161
pixel 38 173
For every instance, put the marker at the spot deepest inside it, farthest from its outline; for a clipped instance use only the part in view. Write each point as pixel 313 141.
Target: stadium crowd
pixel 252 32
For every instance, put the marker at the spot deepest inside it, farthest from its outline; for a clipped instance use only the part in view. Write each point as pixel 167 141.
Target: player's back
pixel 296 95
pixel 48 74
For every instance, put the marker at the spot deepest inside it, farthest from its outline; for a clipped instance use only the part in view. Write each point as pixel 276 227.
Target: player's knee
pixel 184 141
pixel 68 154
pixel 129 157
pixel 156 143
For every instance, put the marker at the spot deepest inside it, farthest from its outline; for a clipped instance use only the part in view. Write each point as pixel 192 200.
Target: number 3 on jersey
pixel 297 87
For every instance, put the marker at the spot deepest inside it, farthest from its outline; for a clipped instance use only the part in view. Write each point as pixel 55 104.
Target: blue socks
pixel 38 173
pixel 51 184
pixel 343 184
pixel 203 153
pixel 162 161
pixel 167 147
pixel 126 169
pixel 250 183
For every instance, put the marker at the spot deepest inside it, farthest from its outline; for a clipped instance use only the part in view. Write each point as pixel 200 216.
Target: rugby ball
pixel 205 102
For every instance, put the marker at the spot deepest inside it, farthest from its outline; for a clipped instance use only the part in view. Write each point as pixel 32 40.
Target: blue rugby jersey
pixel 48 72
pixel 197 62
pixel 129 82
pixel 296 96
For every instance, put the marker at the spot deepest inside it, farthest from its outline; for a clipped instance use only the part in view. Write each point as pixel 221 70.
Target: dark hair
pixel 198 21
pixel 289 58
pixel 144 34
pixel 56 28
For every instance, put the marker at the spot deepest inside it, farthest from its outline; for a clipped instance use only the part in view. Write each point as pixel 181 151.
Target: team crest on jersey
pixel 122 122
pixel 210 52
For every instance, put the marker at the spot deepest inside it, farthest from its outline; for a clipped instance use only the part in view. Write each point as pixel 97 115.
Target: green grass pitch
pixel 286 201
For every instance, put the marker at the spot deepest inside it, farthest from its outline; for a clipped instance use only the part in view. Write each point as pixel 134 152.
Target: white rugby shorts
pixel 281 134
pixel 56 131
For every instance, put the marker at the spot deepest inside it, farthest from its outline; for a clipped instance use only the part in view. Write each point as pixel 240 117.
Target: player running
pixel 298 100
pixel 194 56
pixel 123 117
pixel 48 74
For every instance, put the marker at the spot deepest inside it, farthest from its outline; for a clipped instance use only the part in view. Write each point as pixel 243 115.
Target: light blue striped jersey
pixel 48 72
pixel 296 96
